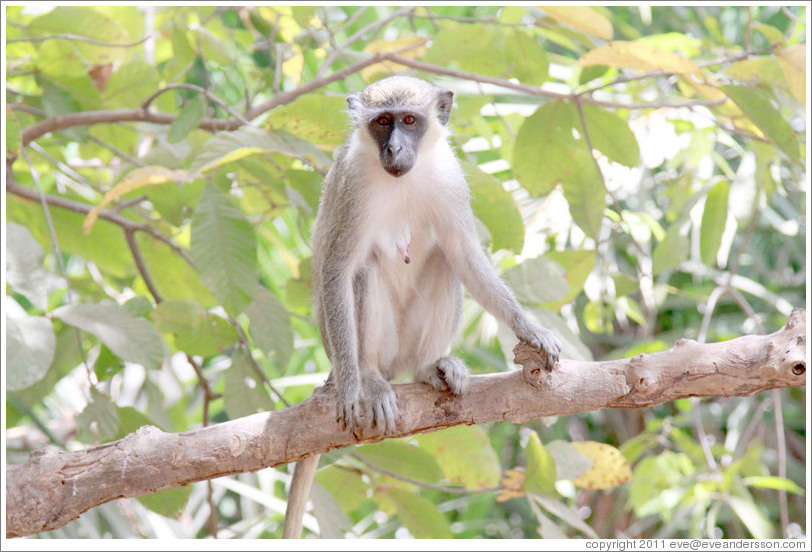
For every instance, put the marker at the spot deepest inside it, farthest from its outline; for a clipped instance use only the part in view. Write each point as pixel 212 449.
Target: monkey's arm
pixel 338 308
pixel 474 269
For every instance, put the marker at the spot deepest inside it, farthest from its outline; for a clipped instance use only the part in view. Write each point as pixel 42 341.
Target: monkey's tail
pixel 303 473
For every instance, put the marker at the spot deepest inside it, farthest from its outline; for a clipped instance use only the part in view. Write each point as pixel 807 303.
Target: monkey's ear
pixel 354 104
pixel 445 99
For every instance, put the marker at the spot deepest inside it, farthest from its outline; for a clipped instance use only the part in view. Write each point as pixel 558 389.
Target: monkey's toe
pixel 449 374
pixel 382 405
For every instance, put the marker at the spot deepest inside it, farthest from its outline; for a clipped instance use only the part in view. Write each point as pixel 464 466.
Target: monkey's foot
pixel 448 374
pixel 544 340
pixel 348 408
pixel 381 403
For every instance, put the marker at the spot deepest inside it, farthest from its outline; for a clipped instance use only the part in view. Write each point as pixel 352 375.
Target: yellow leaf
pixel 293 66
pixel 792 61
pixel 609 470
pixel 411 47
pixel 138 178
pixel 512 481
pixel 636 55
pixel 582 18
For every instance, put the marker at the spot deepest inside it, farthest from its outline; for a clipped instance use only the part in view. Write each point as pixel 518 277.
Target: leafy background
pixel 639 173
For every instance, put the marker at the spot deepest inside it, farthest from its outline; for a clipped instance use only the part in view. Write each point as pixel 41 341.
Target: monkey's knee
pixel 448 374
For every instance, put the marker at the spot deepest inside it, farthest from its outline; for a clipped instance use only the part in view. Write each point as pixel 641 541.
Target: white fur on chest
pixel 398 222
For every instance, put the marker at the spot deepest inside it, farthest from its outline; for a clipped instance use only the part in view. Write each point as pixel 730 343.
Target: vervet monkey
pixel 393 244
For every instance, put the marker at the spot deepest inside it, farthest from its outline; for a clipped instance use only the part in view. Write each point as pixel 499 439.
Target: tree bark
pixel 54 487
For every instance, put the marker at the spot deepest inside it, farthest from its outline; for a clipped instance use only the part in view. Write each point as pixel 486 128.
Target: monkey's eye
pixel 382 120
pixel 409 120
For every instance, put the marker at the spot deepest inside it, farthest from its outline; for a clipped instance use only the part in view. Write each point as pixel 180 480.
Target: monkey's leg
pixel 378 346
pixel 435 316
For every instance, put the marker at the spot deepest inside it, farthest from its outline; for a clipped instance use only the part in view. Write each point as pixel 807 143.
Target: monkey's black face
pixel 398 135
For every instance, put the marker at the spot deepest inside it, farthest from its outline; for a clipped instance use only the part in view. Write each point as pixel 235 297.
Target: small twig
pixel 424 484
pixel 27 109
pixel 257 368
pixel 67 36
pixel 140 266
pixel 205 91
pixel 360 33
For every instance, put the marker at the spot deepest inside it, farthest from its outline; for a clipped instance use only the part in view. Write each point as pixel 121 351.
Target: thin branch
pixel 53 487
pixel 646 278
pixel 424 484
pixel 80 38
pixel 360 33
pixel 140 266
pixel 205 91
pixel 87 118
pixel 257 368
pixel 60 259
pixel 78 207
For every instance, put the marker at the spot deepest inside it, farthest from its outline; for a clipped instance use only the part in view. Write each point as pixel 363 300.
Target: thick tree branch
pixel 54 487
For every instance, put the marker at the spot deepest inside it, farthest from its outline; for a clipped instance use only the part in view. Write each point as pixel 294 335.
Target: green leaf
pixel 537 280
pixel 30 346
pixel 756 105
pixel 497 210
pixel 270 326
pixel 465 455
pixel 24 268
pixel 98 422
pixel 13 137
pixel 656 487
pixel 610 134
pixel 585 192
pixel 671 251
pixel 189 117
pixel 169 503
pixel 422 518
pixel 223 250
pixel 160 259
pixel 132 339
pixel 333 524
pixel 105 246
pixel 540 473
pixel 347 486
pixel 317 118
pixel 772 482
pixel 131 420
pixel 196 331
pixel 714 219
pixel 544 147
pixel 752 517
pixel 402 459
pixel 131 84
pixel 87 22
pixel 577 265
pixel 225 147
pixel 487 50
pixel 243 390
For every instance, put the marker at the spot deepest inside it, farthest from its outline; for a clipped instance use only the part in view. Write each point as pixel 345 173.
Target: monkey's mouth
pixel 397 166
pixel 397 170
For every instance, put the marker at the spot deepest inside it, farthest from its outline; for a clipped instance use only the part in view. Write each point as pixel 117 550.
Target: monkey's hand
pixel 381 403
pixel 542 339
